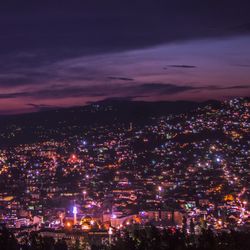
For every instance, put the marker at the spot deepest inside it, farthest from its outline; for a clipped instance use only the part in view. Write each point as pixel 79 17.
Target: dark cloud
pixel 217 87
pixel 104 90
pixel 42 107
pixel 182 66
pixel 59 29
pixel 243 65
pixel 14 95
pixel 120 78
pixel 245 27
pixel 14 81
pixel 161 89
pixel 237 87
pixel 23 80
pixel 114 90
pixel 111 99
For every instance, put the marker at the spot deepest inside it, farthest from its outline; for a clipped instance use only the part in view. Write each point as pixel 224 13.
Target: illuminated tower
pixel 75 214
pixel 130 126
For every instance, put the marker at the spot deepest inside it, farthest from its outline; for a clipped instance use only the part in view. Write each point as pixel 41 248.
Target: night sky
pixel 69 53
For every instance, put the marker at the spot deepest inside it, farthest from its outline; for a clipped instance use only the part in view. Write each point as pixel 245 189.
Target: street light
pixel 160 189
pixel 84 194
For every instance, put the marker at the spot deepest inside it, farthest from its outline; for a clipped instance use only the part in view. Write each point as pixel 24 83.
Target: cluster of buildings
pixel 189 171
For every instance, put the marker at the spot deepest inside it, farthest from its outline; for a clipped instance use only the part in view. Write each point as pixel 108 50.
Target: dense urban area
pixel 181 178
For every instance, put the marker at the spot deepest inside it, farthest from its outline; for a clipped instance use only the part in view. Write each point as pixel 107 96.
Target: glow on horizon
pixel 221 63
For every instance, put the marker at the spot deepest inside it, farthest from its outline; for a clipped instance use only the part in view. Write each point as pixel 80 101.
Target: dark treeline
pixel 154 239
pixel 33 242
pixel 144 239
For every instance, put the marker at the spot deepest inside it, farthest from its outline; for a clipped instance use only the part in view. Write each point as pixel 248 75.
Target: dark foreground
pixel 149 238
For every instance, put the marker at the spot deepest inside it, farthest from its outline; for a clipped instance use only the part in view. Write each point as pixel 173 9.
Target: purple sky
pixel 93 54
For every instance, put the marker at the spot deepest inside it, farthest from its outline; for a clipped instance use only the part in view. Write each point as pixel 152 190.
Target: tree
pixel 184 224
pixel 192 226
pixel 61 245
pixel 7 240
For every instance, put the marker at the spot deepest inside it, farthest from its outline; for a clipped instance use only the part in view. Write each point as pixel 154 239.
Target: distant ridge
pixel 44 125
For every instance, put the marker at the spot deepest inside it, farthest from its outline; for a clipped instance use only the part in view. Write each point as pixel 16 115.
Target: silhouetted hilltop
pixel 29 127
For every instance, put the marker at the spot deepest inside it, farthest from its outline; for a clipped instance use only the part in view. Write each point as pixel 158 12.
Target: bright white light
pixel 110 231
pixel 74 210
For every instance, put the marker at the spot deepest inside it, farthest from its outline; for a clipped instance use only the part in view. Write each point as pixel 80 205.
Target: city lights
pixel 125 125
pixel 119 173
